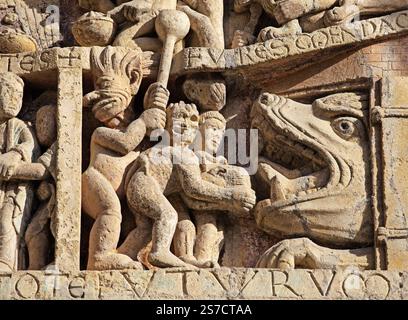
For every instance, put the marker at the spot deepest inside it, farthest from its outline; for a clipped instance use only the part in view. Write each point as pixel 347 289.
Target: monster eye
pixel 345 127
pixel 104 82
pixel 194 118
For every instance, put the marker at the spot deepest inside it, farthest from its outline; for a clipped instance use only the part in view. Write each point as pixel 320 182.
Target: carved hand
pixel 154 119
pixel 343 14
pixel 8 164
pixel 244 199
pixel 302 252
pixel 157 96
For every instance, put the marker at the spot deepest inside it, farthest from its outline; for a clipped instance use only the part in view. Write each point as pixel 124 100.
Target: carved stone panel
pixel 240 149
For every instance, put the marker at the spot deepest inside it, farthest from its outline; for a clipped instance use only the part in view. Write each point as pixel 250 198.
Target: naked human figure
pixel 163 171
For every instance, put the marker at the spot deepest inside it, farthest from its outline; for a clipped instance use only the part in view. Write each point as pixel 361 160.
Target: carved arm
pixel 122 142
pixel 31 171
pixel 195 187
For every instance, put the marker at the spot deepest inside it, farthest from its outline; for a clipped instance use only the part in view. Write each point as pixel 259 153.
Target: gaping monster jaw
pixel 294 155
pixel 313 190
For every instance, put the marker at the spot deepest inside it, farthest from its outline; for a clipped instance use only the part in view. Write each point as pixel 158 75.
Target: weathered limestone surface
pixel 225 284
pixel 240 149
pixel 322 42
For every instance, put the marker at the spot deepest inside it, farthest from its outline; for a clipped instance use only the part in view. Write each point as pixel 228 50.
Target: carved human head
pixel 212 129
pixel 209 93
pixel 46 125
pixel 11 95
pixel 182 123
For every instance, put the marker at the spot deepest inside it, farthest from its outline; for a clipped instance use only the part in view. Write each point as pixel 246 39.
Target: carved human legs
pixel 209 32
pixel 101 203
pixel 138 238
pixel 314 14
pixel 145 196
pixel 185 234
pixel 41 229
pixel 245 37
pixel 209 238
pixel 199 244
pixel 38 239
pixel 8 239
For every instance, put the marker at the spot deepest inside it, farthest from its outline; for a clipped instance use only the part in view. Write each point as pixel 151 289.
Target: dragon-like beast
pixel 315 161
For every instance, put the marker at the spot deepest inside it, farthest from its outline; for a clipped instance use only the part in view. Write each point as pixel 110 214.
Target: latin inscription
pixel 251 284
pixel 196 59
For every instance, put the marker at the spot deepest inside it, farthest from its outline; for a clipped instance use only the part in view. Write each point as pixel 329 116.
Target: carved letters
pixel 147 284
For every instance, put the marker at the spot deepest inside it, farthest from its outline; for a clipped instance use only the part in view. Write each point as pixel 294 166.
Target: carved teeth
pixel 308 153
pixel 296 162
pixel 287 158
pixel 300 147
pixel 311 184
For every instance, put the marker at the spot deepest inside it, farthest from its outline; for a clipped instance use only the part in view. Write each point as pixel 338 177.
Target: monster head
pixel 117 74
pixel 317 168
pixel 182 123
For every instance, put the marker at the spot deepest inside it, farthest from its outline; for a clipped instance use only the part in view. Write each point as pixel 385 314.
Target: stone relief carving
pixel 246 36
pixel 24 26
pixel 172 93
pixel 40 234
pixel 118 74
pixel 171 170
pixel 136 20
pixel 19 146
pixel 297 16
pixel 28 219
pixel 200 245
pixel 207 22
pixel 319 185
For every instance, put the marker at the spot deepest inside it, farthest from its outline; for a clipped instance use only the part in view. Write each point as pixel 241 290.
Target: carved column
pixel 67 248
pixel 392 219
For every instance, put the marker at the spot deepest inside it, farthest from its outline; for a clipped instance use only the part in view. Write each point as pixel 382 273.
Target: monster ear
pixel 350 103
pixel 136 77
pixel 133 66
